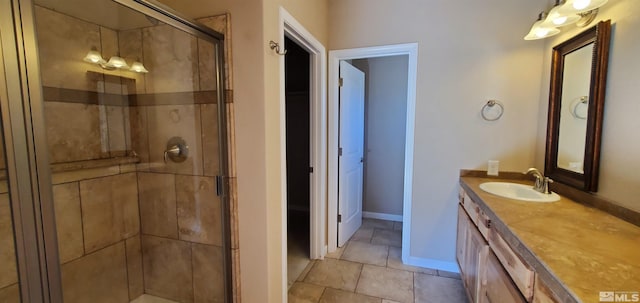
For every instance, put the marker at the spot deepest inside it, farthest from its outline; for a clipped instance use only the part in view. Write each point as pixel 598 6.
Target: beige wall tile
pixel 73 131
pixel 231 139
pixel 63 41
pixel 158 204
pixel 171 56
pixel 199 213
pixel 222 24
pixel 167 121
pixel 84 174
pixel 167 268
pixel 98 277
pixel 116 129
pixel 207 65
pixel 109 210
pixel 109 44
pixel 208 274
pixel 10 294
pixel 233 212
pixel 139 133
pixel 131 50
pixel 66 199
pixel 134 267
pixel 8 272
pixel 210 140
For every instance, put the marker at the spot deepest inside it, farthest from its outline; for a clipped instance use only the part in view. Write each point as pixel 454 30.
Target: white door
pixel 351 146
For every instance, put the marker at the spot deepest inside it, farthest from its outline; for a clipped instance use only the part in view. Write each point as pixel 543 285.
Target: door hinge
pixel 310 170
pixel 339 151
pixel 339 218
pixel 341 82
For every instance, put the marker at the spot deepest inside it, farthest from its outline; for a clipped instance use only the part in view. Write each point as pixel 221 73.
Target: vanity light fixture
pixel 557 17
pixel 93 56
pixel 138 68
pixel 579 12
pixel 115 62
pixel 582 6
pixel 540 30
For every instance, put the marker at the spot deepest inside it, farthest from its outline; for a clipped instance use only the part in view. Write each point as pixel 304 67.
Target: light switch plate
pixel 493 167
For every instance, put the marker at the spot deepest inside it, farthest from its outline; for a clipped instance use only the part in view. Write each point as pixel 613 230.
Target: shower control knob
pixel 177 150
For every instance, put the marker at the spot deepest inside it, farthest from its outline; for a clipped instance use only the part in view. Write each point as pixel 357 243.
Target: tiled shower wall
pixel 127 222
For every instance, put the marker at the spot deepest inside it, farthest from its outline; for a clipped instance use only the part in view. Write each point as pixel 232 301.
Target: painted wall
pixel 385 124
pixel 256 84
pixel 469 52
pixel 619 162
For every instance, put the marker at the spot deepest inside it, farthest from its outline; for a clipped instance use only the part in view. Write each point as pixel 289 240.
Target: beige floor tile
pixel 366 253
pixel 395 261
pixel 387 237
pixel 434 289
pixel 336 254
pixel 448 274
pixel 340 296
pixel 335 273
pixel 363 234
pixel 386 283
pixel 389 301
pixel 301 292
pixel 306 271
pixel 377 223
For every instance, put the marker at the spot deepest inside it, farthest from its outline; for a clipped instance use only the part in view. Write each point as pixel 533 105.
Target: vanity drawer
pixel 471 208
pixel 484 224
pixel 523 276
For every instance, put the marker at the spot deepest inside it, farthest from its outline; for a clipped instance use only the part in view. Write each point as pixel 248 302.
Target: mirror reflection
pixel 574 109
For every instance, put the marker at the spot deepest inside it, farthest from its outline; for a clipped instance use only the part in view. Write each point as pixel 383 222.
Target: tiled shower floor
pixel 151 299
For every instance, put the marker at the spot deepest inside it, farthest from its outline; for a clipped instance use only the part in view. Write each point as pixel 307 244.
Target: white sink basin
pixel 518 192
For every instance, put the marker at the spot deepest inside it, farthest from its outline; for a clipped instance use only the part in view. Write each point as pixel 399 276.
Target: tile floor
pixel 369 269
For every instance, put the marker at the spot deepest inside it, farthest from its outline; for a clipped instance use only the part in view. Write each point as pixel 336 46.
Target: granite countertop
pixel 577 250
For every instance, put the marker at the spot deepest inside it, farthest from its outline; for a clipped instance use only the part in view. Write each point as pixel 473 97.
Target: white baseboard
pixel 381 216
pixel 433 264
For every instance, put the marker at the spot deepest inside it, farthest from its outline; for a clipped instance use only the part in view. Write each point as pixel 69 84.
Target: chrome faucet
pixel 542 182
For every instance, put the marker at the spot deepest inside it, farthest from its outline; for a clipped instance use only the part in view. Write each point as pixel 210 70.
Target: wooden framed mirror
pixel 576 105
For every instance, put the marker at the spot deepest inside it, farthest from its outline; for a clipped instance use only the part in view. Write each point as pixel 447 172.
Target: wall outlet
pixel 493 167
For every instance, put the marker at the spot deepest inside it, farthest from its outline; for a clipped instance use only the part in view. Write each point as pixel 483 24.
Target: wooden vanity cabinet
pixel 471 253
pixel 490 270
pixel 497 286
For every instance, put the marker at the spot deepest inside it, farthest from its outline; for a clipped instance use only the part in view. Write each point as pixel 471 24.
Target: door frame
pixel 294 30
pixel 335 56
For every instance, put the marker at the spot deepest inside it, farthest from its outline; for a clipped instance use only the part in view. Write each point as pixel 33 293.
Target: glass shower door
pixel 131 112
pixel 9 284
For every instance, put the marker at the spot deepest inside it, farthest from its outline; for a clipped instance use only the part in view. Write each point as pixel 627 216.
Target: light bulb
pixel 93 56
pixel 559 20
pixel 117 62
pixel 541 32
pixel 581 4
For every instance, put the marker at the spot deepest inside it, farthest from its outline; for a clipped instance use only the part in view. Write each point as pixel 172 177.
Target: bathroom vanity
pixel 516 251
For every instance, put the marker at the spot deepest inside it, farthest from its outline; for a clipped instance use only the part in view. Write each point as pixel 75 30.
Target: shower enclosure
pixel 113 170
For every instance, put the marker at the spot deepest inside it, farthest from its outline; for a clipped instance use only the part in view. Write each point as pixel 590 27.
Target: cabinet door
pixel 475 258
pixel 497 286
pixel 461 239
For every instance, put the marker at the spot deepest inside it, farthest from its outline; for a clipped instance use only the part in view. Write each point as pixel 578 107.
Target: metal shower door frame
pixel 27 151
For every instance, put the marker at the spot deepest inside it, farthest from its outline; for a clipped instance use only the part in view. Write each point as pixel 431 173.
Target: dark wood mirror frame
pixel 600 35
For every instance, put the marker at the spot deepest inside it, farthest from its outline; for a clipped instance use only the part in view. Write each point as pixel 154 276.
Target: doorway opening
pixel 376 61
pixel 298 120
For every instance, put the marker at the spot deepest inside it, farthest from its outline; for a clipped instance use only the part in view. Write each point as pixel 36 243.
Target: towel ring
pixel 489 107
pixel 583 100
